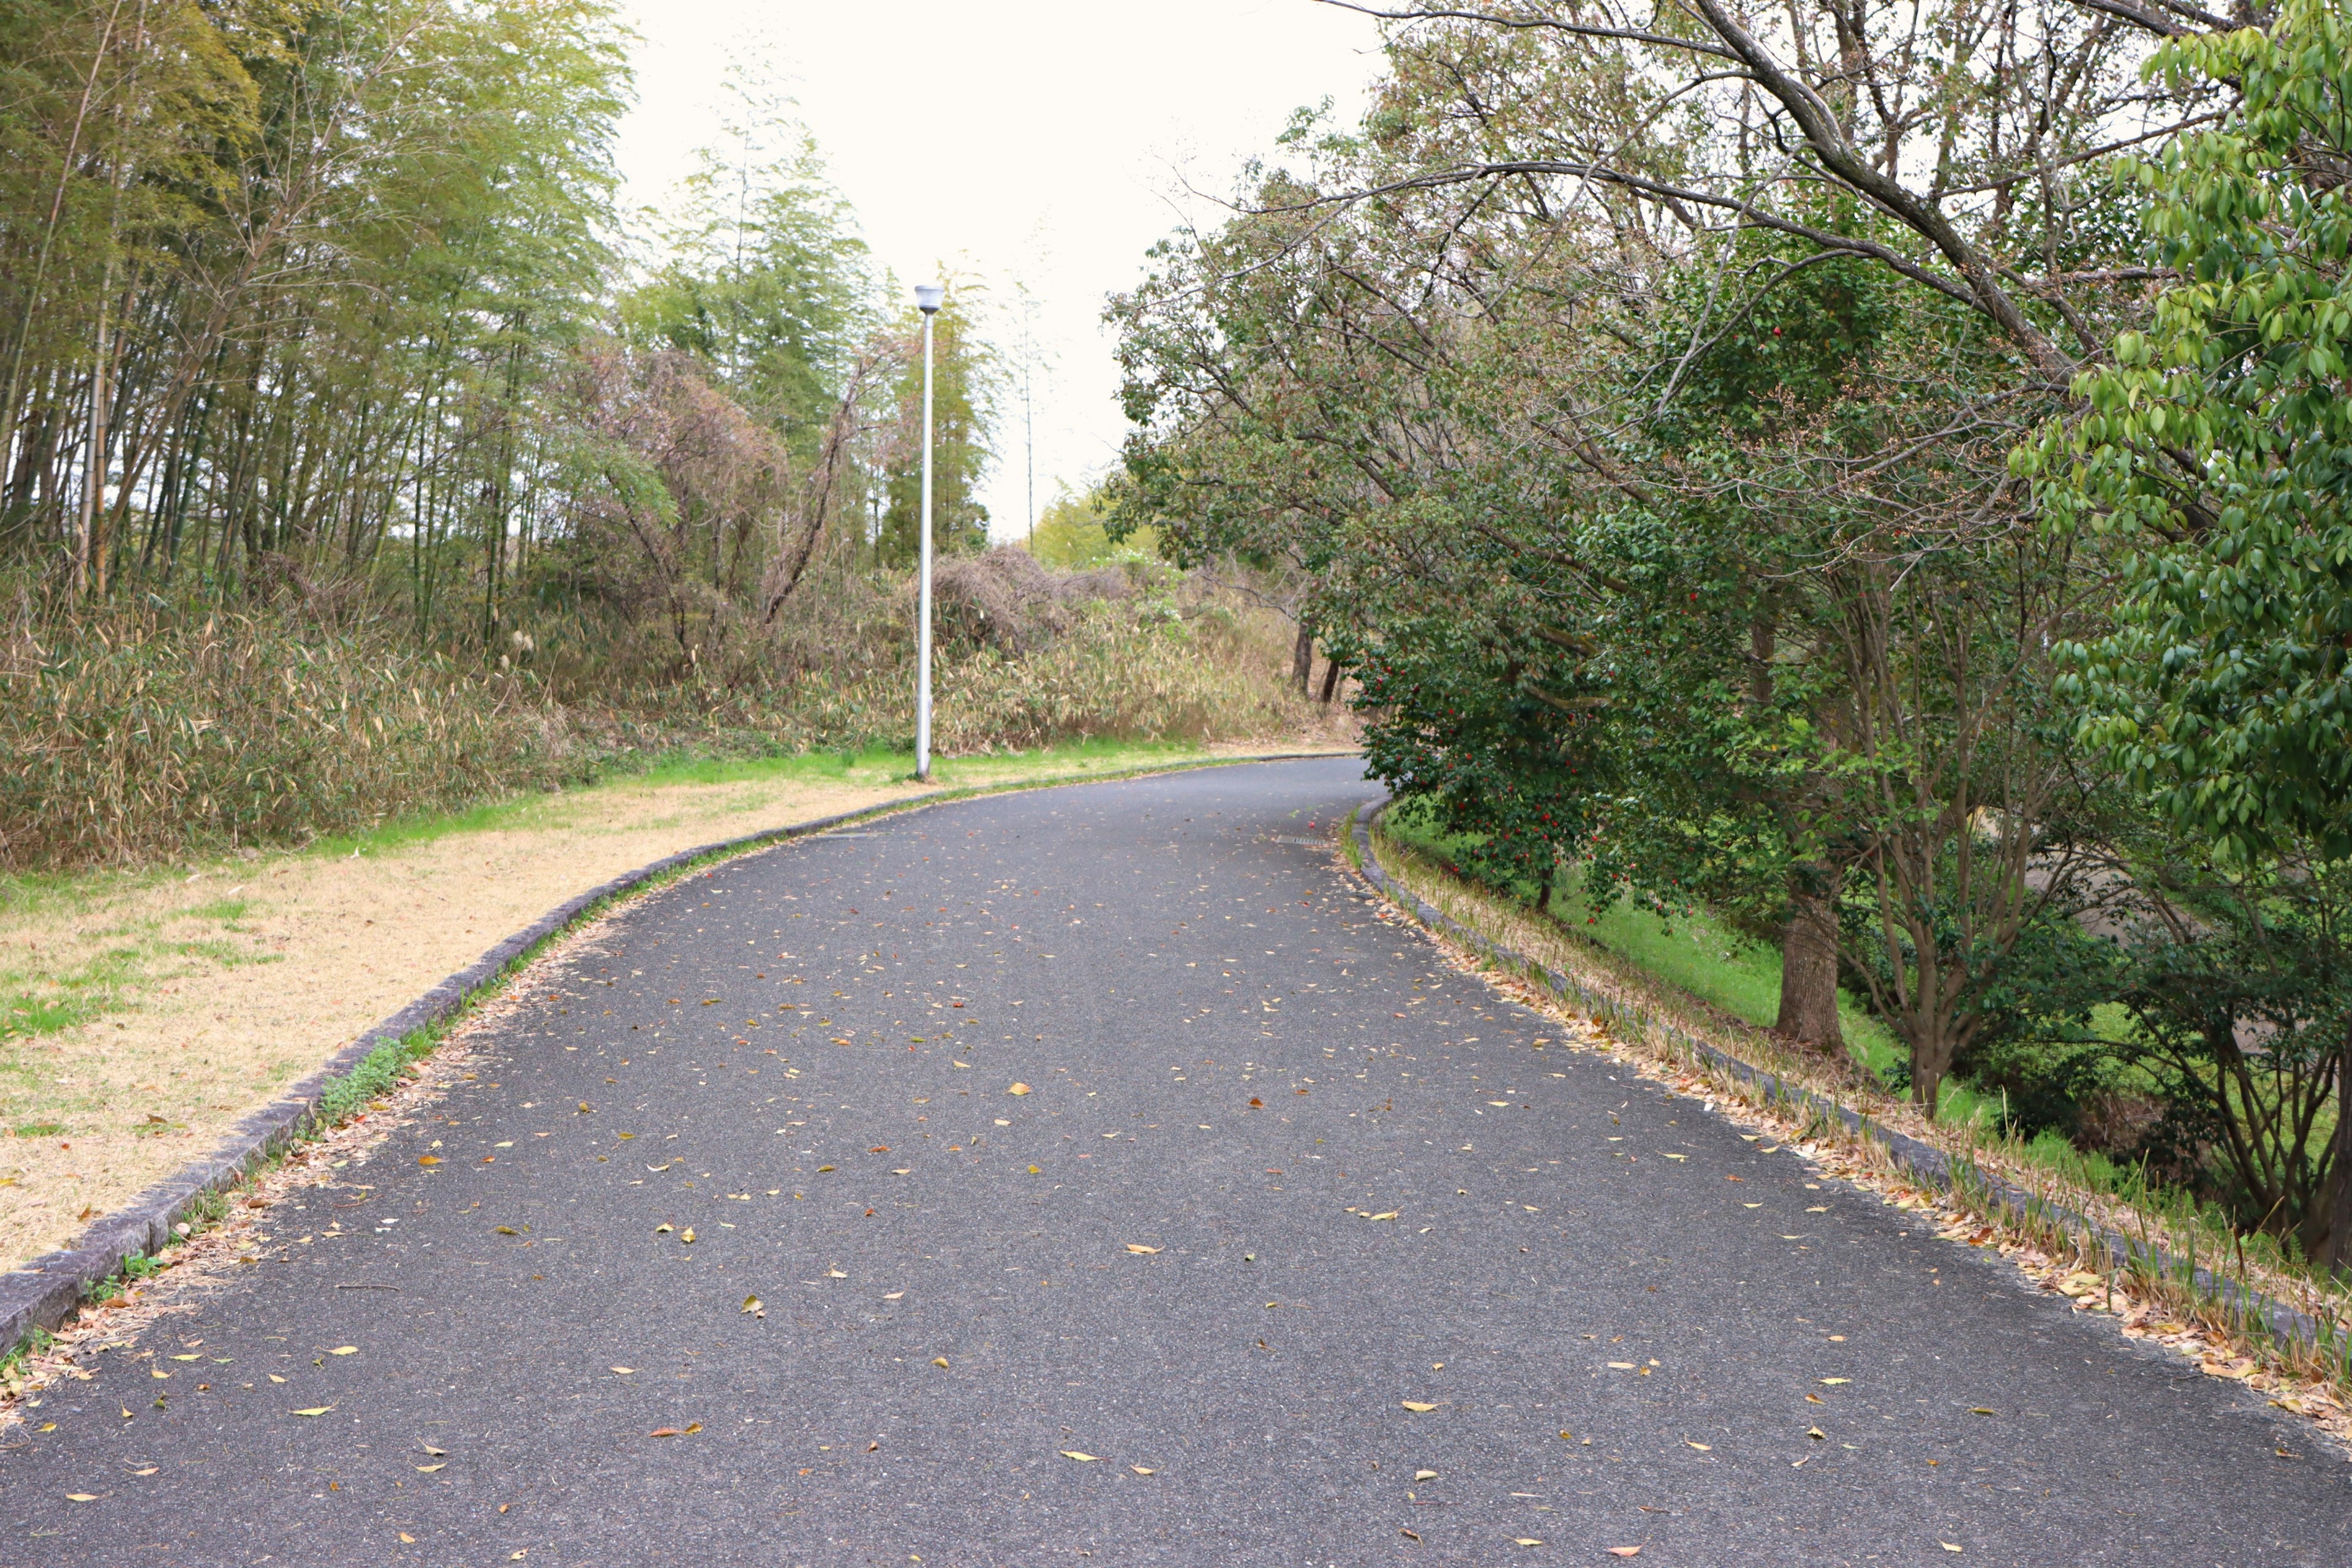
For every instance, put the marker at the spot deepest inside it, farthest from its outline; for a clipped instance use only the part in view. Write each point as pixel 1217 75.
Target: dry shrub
pixel 135 733
pixel 131 733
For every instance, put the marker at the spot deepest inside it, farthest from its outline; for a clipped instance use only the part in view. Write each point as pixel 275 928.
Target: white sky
pixel 1041 142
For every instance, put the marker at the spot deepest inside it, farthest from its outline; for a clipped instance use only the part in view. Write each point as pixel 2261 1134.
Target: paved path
pixel 1231 1063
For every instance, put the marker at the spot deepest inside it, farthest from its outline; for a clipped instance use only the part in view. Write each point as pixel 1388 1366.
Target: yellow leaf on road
pixel 623 1371
pixel 315 1410
pixel 344 1350
pixel 81 1496
pixel 505 1230
pixel 1624 1551
pixel 1621 1365
pixel 1138 1248
pixel 1947 1546
pixel 1140 1471
pixel 939 1360
pixel 1833 1381
pixel 428 1159
pixel 1018 1088
pixel 1417 1405
pixel 1664 1156
pixel 1424 1475
pixel 754 1305
pixel 407 1539
pixel 686 1236
pixel 1700 1446
pixel 1525 1540
pixel 1391 1215
pixel 427 1469
pixel 1082 1458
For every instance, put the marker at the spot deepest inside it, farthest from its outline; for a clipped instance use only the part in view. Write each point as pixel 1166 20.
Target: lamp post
pixel 928 299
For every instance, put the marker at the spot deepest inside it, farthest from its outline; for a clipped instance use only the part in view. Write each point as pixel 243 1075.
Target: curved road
pixel 1364 1181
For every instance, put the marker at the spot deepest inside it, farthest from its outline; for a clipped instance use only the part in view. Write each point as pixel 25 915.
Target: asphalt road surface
pixel 1323 1253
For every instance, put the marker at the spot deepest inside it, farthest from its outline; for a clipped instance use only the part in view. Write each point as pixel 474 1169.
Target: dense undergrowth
pixel 141 730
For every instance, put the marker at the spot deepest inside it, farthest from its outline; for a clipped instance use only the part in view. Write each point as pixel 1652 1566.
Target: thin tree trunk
pixel 1302 657
pixel 1331 681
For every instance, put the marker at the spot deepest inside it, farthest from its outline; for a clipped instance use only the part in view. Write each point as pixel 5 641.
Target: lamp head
pixel 929 297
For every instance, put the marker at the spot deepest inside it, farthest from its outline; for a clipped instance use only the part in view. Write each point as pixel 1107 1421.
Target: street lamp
pixel 928 300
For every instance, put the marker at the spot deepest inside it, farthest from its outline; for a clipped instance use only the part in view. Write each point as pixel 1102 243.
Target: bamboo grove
pixel 336 290
pixel 1873 468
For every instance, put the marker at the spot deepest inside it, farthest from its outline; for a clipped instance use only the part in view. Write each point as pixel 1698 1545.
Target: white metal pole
pixel 923 633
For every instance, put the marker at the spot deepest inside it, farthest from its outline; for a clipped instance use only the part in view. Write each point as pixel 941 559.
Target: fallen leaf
pixel 665 1432
pixel 894 1296
pixel 344 1350
pixel 820 1170
pixel 664 1229
pixel 694 1427
pixel 753 1305
pixel 686 1236
pixel 1525 1540
pixel 427 1469
pixel 1416 1405
pixel 1408 1534
pixel 148 1471
pixel 1082 1458
pixel 315 1410
pixel 436 1453
pixel 407 1539
pixel 507 1230
pixel 1624 1551
pixel 1424 1475
pixel 1260 1105
pixel 1947 1546
pixel 1664 1156
pixel 1621 1365
pixel 81 1496
pixel 190 1357
pixel 1138 1248
pixel 1140 1471
pixel 834 1274
pixel 1036 1172
pixel 1819 1208
pixel 939 1360
pixel 1817 1434
pixel 1980 1410
pixel 624 1370
pixel 1018 1088
pixel 1702 1447
pixel 428 1159
pixel 1391 1215
pixel 1833 1381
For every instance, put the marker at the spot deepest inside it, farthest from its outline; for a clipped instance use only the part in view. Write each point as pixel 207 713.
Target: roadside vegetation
pixel 1855 485
pixel 361 458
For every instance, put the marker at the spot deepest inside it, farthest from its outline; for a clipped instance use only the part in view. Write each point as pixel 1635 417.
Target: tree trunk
pixel 1808 964
pixel 1302 657
pixel 2331 1238
pixel 1331 681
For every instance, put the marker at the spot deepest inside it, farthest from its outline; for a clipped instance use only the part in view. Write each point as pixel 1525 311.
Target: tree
pixel 963 413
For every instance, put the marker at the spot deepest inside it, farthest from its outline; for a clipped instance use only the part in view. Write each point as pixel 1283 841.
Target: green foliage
pixel 2217 451
pixel 1073 532
pixel 962 409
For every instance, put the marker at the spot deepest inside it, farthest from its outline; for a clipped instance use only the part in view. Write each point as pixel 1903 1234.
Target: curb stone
pixel 1923 1162
pixel 43 1292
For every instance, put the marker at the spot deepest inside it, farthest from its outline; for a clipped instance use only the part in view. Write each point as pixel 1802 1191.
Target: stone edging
pixel 1922 1160
pixel 45 1291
